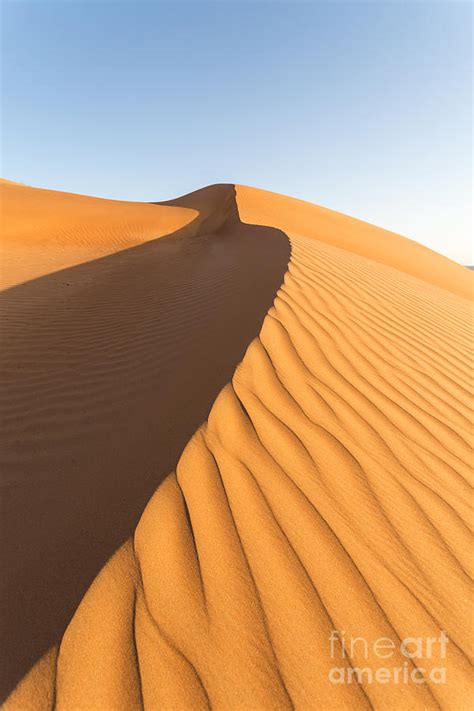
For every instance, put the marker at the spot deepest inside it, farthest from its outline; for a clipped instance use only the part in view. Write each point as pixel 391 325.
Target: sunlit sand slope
pixel 328 490
pixel 298 217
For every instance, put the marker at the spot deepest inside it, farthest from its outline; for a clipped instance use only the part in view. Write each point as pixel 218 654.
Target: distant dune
pixel 236 430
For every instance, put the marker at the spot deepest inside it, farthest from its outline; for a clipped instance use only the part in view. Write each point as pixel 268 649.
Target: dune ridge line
pixel 325 497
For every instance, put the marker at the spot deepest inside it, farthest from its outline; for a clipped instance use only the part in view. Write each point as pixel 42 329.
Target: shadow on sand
pixel 107 370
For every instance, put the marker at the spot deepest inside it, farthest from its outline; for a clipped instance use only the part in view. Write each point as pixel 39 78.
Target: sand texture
pixel 286 392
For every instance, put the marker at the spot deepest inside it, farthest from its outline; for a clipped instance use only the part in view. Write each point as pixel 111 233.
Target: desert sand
pixel 233 423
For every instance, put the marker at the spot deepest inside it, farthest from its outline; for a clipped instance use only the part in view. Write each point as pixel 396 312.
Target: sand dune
pixel 44 231
pixel 108 368
pixel 323 483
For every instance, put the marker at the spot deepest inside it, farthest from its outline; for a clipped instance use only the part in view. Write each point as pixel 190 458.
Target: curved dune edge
pixel 261 207
pixel 107 370
pixel 44 231
pixel 327 490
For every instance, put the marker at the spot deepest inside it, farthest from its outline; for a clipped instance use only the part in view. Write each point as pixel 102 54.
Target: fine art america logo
pixel 414 651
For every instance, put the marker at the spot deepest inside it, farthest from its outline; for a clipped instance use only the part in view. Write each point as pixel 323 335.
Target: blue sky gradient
pixel 364 107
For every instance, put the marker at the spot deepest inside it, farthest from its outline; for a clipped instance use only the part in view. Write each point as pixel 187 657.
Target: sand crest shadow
pixel 107 370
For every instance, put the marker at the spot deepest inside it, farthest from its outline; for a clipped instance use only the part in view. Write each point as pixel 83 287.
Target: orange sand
pixel 327 487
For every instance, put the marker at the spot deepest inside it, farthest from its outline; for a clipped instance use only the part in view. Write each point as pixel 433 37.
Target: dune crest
pixel 293 216
pixel 108 368
pixel 328 490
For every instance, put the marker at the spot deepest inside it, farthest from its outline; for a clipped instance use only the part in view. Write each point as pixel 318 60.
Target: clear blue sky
pixel 364 107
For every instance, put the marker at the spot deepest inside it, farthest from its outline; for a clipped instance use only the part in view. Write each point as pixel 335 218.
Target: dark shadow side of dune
pixel 107 370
